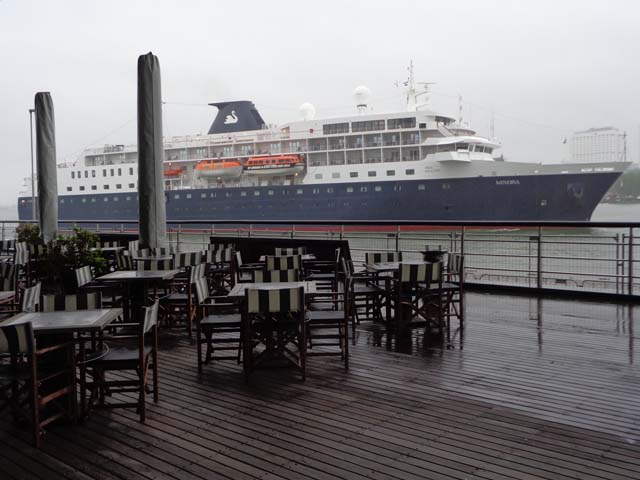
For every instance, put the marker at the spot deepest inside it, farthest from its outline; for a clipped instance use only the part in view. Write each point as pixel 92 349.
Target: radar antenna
pixel 415 99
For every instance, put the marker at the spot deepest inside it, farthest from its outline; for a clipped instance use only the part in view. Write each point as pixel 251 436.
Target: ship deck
pixel 535 389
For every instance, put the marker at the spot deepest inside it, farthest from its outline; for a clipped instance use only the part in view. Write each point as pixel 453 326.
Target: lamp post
pixel 33 188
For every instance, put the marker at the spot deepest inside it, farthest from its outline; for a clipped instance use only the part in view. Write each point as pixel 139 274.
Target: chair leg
pixel 142 404
pixel 199 346
pixel 155 376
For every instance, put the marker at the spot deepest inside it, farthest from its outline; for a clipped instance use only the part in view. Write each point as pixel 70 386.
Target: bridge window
pixel 132 185
pixel 368 126
pixel 335 175
pixel 93 174
pixel 104 172
pixel 94 187
pixel 410 171
pixel 130 170
pixel 372 173
pixel 86 174
pixel 73 174
pixel 318 176
pixel 118 186
pixel 395 123
pixel 335 128
pixel 111 172
pixel 353 174
pixel 69 189
pixel 119 172
pixel 106 187
pixel 82 188
pixel 391 173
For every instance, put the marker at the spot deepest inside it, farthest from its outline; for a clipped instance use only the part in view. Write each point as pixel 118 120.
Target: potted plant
pixel 67 253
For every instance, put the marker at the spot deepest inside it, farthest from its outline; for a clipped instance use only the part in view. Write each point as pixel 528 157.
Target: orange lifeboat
pixel 274 165
pixel 219 168
pixel 173 172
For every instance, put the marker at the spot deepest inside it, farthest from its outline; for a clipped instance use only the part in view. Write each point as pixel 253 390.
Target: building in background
pixel 605 144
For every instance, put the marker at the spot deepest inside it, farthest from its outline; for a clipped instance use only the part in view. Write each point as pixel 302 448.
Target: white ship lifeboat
pixel 274 165
pixel 219 169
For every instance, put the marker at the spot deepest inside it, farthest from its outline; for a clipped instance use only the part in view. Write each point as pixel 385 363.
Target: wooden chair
pixel 453 288
pixel 148 265
pixel 327 278
pixel 276 320
pixel 71 303
pixel 110 244
pixel 328 329
pixel 214 246
pixel 31 298
pixel 243 271
pixel 381 257
pixel 288 262
pixel 133 246
pixel 86 282
pixel 30 378
pixel 218 326
pixel 181 304
pixel 160 251
pixel 418 296
pixel 271 276
pixel 285 252
pixel 124 262
pixel 136 353
pixel 8 283
pixel 220 272
pixel 366 294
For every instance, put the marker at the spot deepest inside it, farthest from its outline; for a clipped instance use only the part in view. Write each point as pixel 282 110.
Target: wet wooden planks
pixel 525 394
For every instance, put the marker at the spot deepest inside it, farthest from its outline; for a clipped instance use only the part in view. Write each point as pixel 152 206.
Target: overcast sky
pixel 546 68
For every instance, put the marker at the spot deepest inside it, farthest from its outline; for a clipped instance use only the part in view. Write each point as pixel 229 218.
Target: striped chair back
pixel 17 340
pixel 124 262
pixel 7 246
pixel 111 244
pixel 280 300
pixel 160 251
pixel 7 277
pixel 381 257
pixel 428 273
pixel 281 252
pixel 276 276
pixel 202 289
pixel 143 252
pixel 150 317
pixel 22 253
pixel 221 246
pixel 187 259
pixel 455 264
pixel 31 298
pixel 71 303
pixel 133 246
pixel 218 256
pixel 197 272
pixel 84 275
pixel 290 262
pixel 144 265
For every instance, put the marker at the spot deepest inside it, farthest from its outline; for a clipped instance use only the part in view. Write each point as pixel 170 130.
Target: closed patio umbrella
pixel 151 201
pixel 46 165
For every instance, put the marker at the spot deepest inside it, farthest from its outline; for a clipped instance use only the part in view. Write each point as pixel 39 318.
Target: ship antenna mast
pixel 413 95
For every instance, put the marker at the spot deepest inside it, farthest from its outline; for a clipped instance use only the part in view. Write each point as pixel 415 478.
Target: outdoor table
pixel 238 290
pixel 137 282
pixel 68 323
pixel 306 257
pixel 158 258
pixel 107 249
pixel 8 296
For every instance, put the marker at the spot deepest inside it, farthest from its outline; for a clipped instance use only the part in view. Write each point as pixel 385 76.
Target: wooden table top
pixel 138 275
pixel 158 258
pixel 391 266
pixel 64 322
pixel 306 257
pixel 239 289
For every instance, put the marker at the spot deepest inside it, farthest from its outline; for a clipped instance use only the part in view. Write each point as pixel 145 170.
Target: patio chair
pixel 181 304
pixel 221 270
pixel 367 296
pixel 271 276
pixel 124 262
pixel 71 303
pixel 242 271
pixel 288 251
pixel 218 326
pixel 453 288
pixel 86 282
pixel 214 246
pixel 418 297
pixel 328 329
pixel 136 353
pixel 275 320
pixel 327 278
pixel 154 265
pixel 8 283
pixel 288 262
pixel 381 257
pixel 34 384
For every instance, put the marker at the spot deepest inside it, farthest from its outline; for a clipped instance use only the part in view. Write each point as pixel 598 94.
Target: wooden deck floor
pixel 536 390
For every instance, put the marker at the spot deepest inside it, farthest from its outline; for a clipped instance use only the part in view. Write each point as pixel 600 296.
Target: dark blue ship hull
pixel 527 197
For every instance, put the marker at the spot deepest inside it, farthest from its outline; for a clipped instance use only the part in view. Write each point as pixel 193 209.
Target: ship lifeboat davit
pixel 173 172
pixel 274 165
pixel 219 169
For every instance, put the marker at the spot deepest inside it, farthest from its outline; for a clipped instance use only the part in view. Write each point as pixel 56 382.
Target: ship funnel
pixel 239 116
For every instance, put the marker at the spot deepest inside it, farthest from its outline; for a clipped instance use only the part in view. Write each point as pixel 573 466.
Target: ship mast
pixel 417 100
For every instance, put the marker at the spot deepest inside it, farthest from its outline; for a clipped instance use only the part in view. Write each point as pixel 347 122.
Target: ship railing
pixel 588 257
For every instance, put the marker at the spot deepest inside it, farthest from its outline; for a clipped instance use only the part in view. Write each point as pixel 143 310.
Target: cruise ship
pixel 411 165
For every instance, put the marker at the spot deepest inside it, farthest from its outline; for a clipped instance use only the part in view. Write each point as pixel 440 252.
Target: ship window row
pixel 105 172
pixel 105 187
pixel 368 126
pixel 371 173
